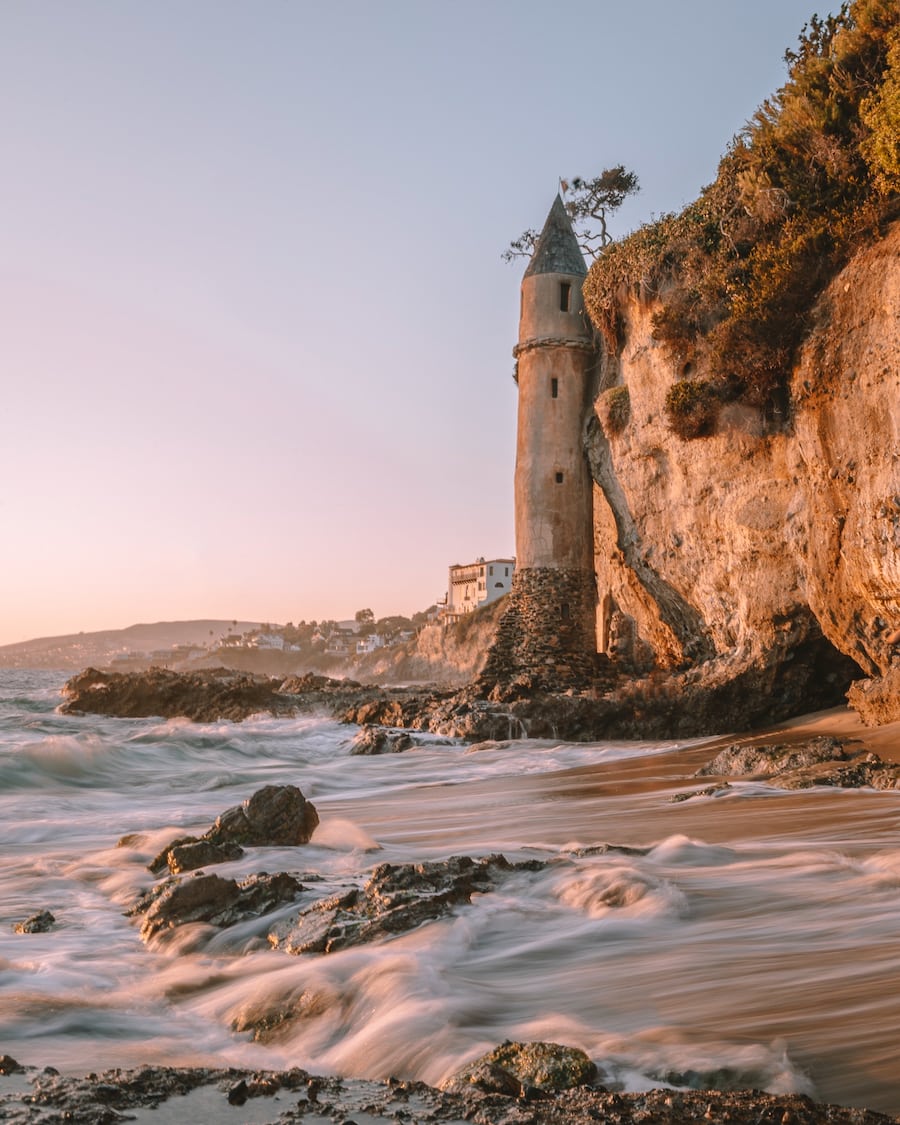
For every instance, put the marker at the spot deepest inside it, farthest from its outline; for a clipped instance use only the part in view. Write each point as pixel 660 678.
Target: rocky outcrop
pixel 821 761
pixel 275 816
pixel 213 694
pixel 776 539
pixel 190 854
pixel 204 696
pixel 396 898
pixel 763 761
pixel 802 674
pixel 211 899
pixel 523 1070
pixel 376 740
pixel 102 1099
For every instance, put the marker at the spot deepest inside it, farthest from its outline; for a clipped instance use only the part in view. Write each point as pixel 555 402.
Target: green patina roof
pixel 557 250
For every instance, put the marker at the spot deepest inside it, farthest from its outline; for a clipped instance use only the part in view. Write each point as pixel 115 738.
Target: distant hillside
pixel 77 650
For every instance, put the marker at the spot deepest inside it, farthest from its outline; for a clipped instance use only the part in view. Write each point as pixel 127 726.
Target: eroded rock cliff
pixel 775 539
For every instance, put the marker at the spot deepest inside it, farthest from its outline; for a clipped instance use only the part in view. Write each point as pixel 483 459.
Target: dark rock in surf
pixel 160 861
pixel 274 816
pixel 8 1065
pixel 377 740
pixel 517 705
pixel 204 696
pixel 238 1093
pixel 515 1068
pixel 396 898
pixel 211 899
pixel 820 761
pixel 202 898
pixel 40 923
pixel 193 855
pixel 211 694
pixel 764 761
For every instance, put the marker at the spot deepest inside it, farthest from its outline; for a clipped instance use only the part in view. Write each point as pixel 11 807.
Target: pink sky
pixel 256 329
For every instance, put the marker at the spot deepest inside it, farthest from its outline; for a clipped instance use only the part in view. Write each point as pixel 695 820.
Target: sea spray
pixel 745 939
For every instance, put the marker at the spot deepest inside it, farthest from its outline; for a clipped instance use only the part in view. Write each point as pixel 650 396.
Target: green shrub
pixel 617 409
pixel 880 112
pixel 692 407
pixel 814 175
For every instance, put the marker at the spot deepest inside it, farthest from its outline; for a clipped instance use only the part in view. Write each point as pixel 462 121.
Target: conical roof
pixel 557 250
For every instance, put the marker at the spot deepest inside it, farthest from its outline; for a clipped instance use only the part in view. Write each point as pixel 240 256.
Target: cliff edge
pixel 773 542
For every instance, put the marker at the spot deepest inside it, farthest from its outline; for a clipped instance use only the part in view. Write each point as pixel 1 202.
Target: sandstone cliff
pixel 774 538
pixel 451 656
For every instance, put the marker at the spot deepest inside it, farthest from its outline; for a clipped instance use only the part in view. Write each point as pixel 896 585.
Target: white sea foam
pixel 753 947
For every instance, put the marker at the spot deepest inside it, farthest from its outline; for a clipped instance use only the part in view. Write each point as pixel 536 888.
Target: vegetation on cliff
pixel 814 174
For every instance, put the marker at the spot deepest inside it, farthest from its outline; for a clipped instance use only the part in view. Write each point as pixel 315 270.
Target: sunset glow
pixel 256 327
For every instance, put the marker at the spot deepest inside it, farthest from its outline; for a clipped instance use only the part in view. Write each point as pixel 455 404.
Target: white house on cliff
pixel 476 584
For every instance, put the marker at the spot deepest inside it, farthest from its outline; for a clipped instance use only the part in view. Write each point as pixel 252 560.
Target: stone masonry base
pixel 548 630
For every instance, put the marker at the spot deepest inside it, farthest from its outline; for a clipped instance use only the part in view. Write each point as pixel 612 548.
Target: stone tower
pixel 550 626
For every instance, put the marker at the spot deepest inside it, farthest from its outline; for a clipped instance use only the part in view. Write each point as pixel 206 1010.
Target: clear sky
pixel 254 323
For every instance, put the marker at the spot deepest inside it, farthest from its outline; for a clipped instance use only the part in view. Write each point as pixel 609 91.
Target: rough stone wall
pixel 746 546
pixel 547 630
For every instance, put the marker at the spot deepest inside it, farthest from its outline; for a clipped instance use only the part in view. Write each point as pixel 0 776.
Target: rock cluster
pixel 275 816
pixel 104 1099
pixel 821 761
pixel 204 696
pixel 376 740
pixel 212 694
pixel 211 899
pixel 719 696
pixel 396 898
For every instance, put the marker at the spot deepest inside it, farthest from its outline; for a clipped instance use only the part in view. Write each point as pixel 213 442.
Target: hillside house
pixel 476 584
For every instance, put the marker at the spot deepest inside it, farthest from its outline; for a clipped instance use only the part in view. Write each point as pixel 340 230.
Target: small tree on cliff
pixel 589 203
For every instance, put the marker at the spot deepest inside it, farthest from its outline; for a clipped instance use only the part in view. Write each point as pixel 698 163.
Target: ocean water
pixel 752 941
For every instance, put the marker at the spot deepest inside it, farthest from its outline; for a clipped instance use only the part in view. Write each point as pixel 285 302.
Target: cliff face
pixel 761 544
pixel 451 656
